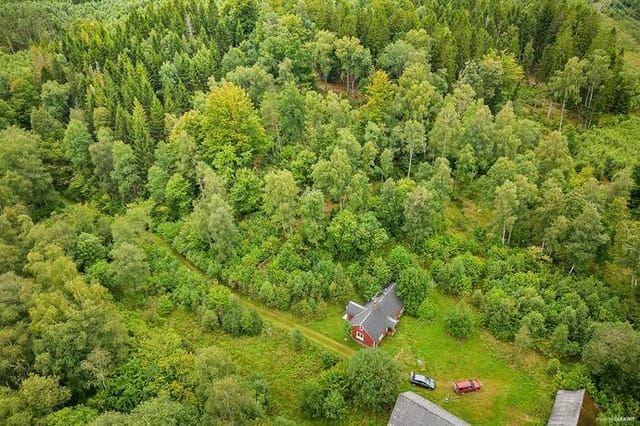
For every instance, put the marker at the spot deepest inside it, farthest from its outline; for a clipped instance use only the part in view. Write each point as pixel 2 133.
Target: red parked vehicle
pixel 465 386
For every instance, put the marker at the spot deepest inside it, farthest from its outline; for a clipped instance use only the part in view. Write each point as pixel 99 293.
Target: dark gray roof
pixel 379 314
pixel 354 309
pixel 566 408
pixel 413 410
pixel 388 302
pixel 374 322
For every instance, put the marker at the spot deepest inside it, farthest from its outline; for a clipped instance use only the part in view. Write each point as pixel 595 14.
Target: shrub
pixel 102 273
pixel 311 399
pixel 553 366
pixel 209 319
pixel 165 305
pixel 297 339
pixel 346 329
pixel 261 389
pixel 459 322
pixel 477 298
pixel 231 320
pixel 283 421
pixel 328 359
pixel 427 310
pixel 334 406
pixel 523 340
pixel 559 344
pixel 251 323
pixel 453 278
pixel 398 260
pixel 500 314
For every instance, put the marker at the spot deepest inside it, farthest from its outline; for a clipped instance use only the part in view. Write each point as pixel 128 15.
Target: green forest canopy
pixel 303 154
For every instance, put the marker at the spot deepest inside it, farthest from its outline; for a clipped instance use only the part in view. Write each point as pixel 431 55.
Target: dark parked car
pixel 422 381
pixel 465 386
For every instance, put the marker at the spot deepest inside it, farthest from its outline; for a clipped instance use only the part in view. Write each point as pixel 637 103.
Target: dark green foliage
pixel 374 379
pixel 413 284
pixel 459 322
pixel 228 401
pixel 77 140
pixel 328 359
pixel 237 321
pixel 350 235
pixel 311 401
pixel 399 259
pixel 231 320
pixel 328 396
pixel 334 406
pixel 23 177
pixel 559 344
pixel 452 278
pixel 427 310
pixel 74 416
pixel 165 305
pixel 297 339
pixel 499 314
pixel 100 272
pixel 251 323
pixel 612 354
pixel 90 249
pixel 246 192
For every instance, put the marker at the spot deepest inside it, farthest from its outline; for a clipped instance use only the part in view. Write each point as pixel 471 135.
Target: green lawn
pixel 515 391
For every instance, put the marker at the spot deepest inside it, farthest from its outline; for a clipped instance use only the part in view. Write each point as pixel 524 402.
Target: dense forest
pixel 170 168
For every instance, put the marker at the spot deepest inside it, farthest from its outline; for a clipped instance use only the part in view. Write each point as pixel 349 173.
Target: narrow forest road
pixel 275 317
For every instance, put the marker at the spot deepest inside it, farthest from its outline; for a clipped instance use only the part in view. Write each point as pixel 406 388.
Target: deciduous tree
pixel 281 199
pixel 374 379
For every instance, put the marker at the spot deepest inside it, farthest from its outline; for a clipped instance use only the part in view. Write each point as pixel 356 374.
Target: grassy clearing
pixel 270 354
pixel 515 389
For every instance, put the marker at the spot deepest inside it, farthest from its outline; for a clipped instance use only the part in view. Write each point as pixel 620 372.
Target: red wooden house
pixel 379 317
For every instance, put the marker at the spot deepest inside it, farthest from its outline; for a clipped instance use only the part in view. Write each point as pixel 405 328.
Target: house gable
pixel 361 336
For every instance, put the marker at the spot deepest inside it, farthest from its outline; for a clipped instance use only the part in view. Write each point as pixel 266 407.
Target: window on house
pixel 359 335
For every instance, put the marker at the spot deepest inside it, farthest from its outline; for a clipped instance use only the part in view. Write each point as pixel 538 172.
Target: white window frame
pixel 360 335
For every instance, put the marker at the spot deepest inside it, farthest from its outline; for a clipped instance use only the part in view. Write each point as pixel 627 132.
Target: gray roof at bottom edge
pixel 413 410
pixel 566 408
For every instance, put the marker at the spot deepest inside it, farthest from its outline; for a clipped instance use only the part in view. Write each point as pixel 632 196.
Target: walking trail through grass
pixel 277 318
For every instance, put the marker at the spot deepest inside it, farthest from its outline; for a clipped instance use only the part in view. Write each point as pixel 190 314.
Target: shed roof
pixel 567 408
pixel 413 410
